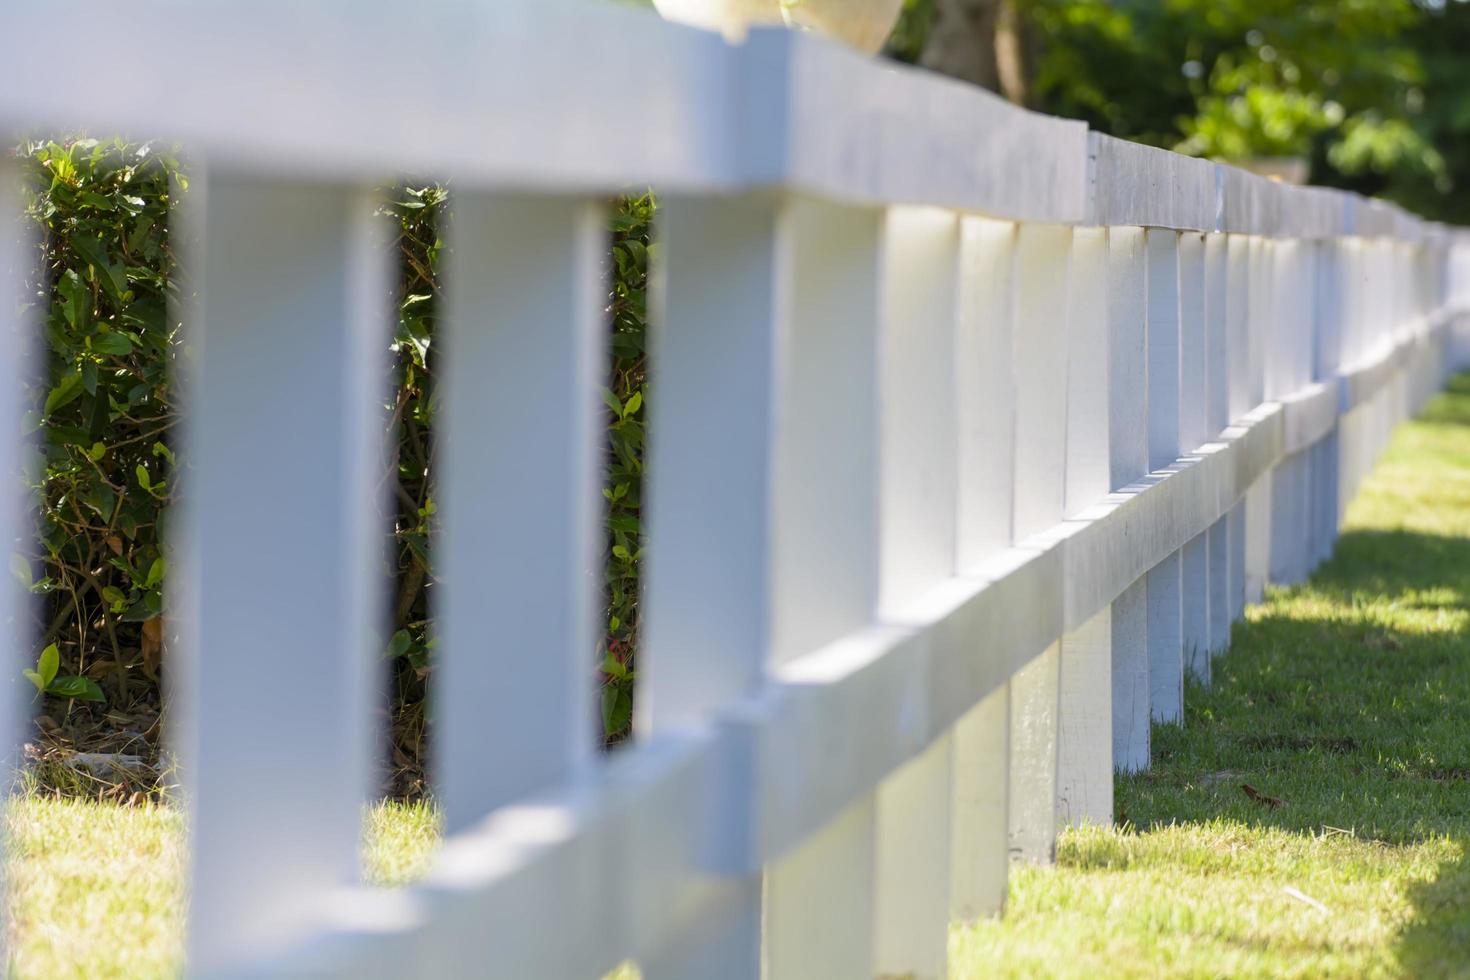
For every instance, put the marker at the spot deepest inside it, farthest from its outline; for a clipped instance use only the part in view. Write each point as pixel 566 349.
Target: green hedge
pixel 104 419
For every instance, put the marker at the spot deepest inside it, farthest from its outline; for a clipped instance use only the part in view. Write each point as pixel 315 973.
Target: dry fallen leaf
pixel 1270 802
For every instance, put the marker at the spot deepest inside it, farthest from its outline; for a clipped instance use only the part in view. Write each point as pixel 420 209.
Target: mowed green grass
pixel 1346 698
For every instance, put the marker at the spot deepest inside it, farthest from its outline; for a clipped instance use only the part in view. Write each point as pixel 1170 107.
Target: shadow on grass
pixel 1345 699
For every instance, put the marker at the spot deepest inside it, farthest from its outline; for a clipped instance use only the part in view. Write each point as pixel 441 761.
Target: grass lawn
pixel 1344 699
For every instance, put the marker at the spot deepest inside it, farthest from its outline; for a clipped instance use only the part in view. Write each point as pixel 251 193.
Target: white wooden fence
pixel 972 434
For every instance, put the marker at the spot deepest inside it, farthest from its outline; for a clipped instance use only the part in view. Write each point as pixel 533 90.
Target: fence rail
pixel 973 432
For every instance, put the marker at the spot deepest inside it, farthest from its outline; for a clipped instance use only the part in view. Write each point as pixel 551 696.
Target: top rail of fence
pixel 584 96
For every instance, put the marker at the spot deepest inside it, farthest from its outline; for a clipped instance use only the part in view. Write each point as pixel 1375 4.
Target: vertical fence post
pixel 819 898
pixel 293 286
pixel 20 267
pixel 1085 716
pixel 1260 327
pixel 985 399
pixel 1164 581
pixel 1128 461
pixel 1193 431
pixel 916 518
pixel 1283 378
pixel 1327 333
pixel 1237 342
pixel 519 500
pixel 1217 417
pixel 717 366
pixel 1040 358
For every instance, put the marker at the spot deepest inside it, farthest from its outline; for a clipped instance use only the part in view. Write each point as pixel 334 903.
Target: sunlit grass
pixel 1345 698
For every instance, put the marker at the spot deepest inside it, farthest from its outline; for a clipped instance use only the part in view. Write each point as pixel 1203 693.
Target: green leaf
pixel 48 664
pixel 144 609
pixel 612 402
pixel 113 594
pixel 101 498
pixel 35 679
pixel 64 393
pixel 634 402
pixel 81 688
pixel 398 645
pixel 155 573
pixel 113 343
pixel 143 480
pixel 112 276
pixel 76 299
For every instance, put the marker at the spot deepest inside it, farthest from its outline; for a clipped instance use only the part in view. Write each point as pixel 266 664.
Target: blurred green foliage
pixel 1373 94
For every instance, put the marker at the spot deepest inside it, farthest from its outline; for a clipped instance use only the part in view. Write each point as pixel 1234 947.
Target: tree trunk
pixel 986 42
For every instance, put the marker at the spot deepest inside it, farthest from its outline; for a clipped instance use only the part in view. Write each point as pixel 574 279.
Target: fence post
pixel 20 266
pixel 819 897
pixel 519 501
pixel 1237 341
pixel 1193 432
pixel 1128 462
pixel 1217 417
pixel 1164 580
pixel 917 516
pixel 1085 715
pixel 1039 352
pixel 707 605
pixel 293 285
pixel 1259 326
pixel 985 395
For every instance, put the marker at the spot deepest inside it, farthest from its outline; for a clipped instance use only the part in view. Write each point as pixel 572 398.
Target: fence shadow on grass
pixel 1347 700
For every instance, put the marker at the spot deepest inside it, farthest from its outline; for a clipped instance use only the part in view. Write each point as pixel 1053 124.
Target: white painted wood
pixel 917 508
pixel 1043 260
pixel 979 847
pixel 1165 583
pixel 1128 462
pixel 1084 736
pixel 1084 730
pixel 519 500
pixel 816 895
pixel 1236 530
pixel 19 326
pixel 1237 325
pixel 717 334
pixel 911 937
pixel 1194 375
pixel 916 390
pixel 1194 429
pixel 985 390
pixel 279 585
pixel 819 898
pixel 986 429
pixel 720 325
pixel 1088 472
pixel 1040 358
pixel 1220 585
pixel 1218 365
pixel 1034 698
pixel 1131 691
pixel 823 543
pixel 1195 595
